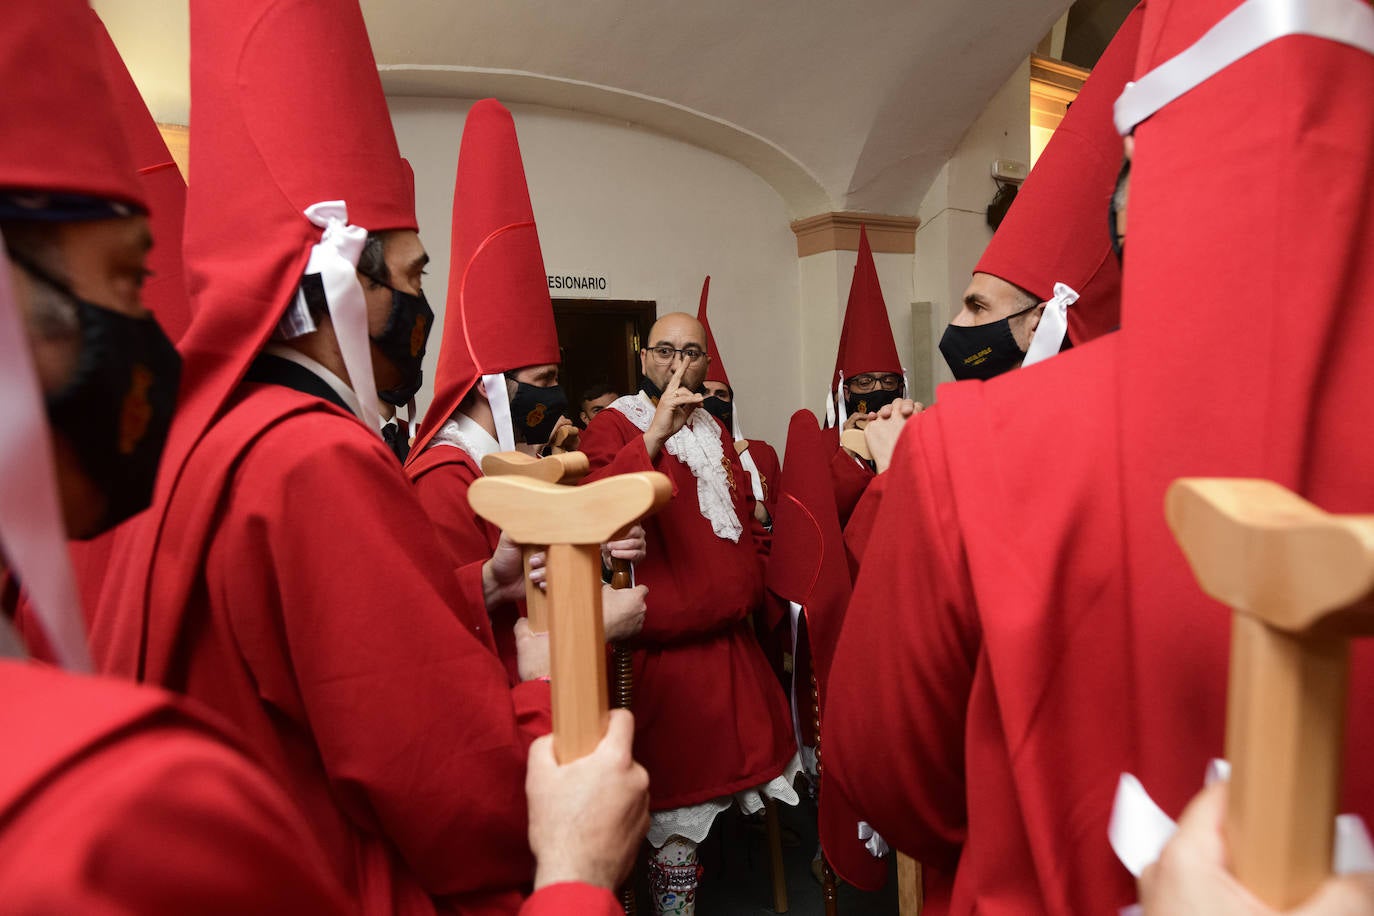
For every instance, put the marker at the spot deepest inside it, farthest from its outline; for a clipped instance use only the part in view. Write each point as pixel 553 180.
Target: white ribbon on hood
pixel 1053 326
pixel 335 258
pixel 33 533
pixel 1139 830
pixel 498 399
pixel 745 458
pixel 1247 28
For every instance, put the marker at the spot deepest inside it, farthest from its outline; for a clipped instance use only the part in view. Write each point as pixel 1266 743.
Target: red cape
pixel 264 604
pixel 1025 628
pixel 99 777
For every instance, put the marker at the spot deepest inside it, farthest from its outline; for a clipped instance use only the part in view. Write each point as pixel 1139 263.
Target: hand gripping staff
pixel 563 467
pixel 1299 582
pixel 574 522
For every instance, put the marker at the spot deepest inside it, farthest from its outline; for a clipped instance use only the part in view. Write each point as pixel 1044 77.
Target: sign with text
pixel 576 283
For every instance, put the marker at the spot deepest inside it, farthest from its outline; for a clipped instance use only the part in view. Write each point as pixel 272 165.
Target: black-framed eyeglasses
pixel 663 354
pixel 863 384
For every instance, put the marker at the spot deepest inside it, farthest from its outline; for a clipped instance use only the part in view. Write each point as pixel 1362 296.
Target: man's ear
pixel 644 362
pixel 1033 320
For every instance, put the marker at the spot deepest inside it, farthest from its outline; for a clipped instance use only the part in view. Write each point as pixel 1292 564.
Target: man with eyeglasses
pixel 868 376
pixel 713 724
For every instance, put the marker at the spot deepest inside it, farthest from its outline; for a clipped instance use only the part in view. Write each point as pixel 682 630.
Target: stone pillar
pixel 827 250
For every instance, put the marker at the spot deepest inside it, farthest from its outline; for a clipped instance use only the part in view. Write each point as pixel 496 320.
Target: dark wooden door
pixel 600 339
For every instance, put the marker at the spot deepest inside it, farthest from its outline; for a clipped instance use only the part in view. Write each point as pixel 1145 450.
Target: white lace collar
pixel 696 445
pixel 462 431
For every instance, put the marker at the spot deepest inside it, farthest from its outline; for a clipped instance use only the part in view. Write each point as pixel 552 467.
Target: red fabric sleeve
pixel 569 898
pixel 860 527
pixel 905 666
pixel 533 709
pixel 443 491
pixel 850 478
pixel 163 821
pixel 615 448
pixel 393 676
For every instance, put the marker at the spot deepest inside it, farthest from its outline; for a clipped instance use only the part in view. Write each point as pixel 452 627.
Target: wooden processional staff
pixel 561 467
pixel 568 468
pixel 1299 582
pixel 573 522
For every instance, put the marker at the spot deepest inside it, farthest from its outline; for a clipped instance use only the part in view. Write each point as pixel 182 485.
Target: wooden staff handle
pixel 856 440
pixel 577 642
pixel 536 602
pixel 564 467
pixel 558 442
pixel 1299 582
pixel 574 522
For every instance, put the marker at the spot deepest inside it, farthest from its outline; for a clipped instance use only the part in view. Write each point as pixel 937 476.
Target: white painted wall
pixel 954 229
pixel 651 214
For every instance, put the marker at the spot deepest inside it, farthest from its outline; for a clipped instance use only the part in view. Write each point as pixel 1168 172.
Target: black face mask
pixel 876 399
pixel 403 341
pixel 653 391
pixel 722 410
pixel 534 411
pixel 983 351
pixel 116 410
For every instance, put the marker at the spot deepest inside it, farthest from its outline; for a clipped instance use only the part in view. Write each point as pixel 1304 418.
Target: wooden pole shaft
pixel 577 650
pixel 536 603
pixel 1284 734
pixel 623 694
pixel 910 897
pixel 779 874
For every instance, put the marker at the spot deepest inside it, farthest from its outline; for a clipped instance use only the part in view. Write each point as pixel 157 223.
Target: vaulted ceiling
pixel 839 105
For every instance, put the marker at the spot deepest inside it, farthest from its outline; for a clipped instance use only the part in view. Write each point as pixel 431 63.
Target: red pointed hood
pixel 866 342
pixel 715 372
pixel 60 125
pixel 1056 231
pixel 287 112
pixel 1258 228
pixel 60 135
pixel 499 315
pixel 164 292
pixel 807 565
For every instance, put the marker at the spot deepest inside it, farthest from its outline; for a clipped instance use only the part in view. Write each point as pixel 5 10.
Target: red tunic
pixel 353 675
pixel 850 476
pixel 710 717
pixel 770 469
pixel 114 799
pixel 1025 628
pixel 442 475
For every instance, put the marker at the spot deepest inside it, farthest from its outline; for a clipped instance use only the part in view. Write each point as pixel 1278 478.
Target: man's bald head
pixel 678 331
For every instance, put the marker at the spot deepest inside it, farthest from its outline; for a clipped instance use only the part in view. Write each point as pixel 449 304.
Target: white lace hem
pixel 694 822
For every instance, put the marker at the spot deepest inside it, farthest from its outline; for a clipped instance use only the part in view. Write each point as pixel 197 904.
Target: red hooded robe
pixel 710 716
pixel 286 575
pixel 866 345
pixel 1025 628
pixel 499 318
pixel 97 775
